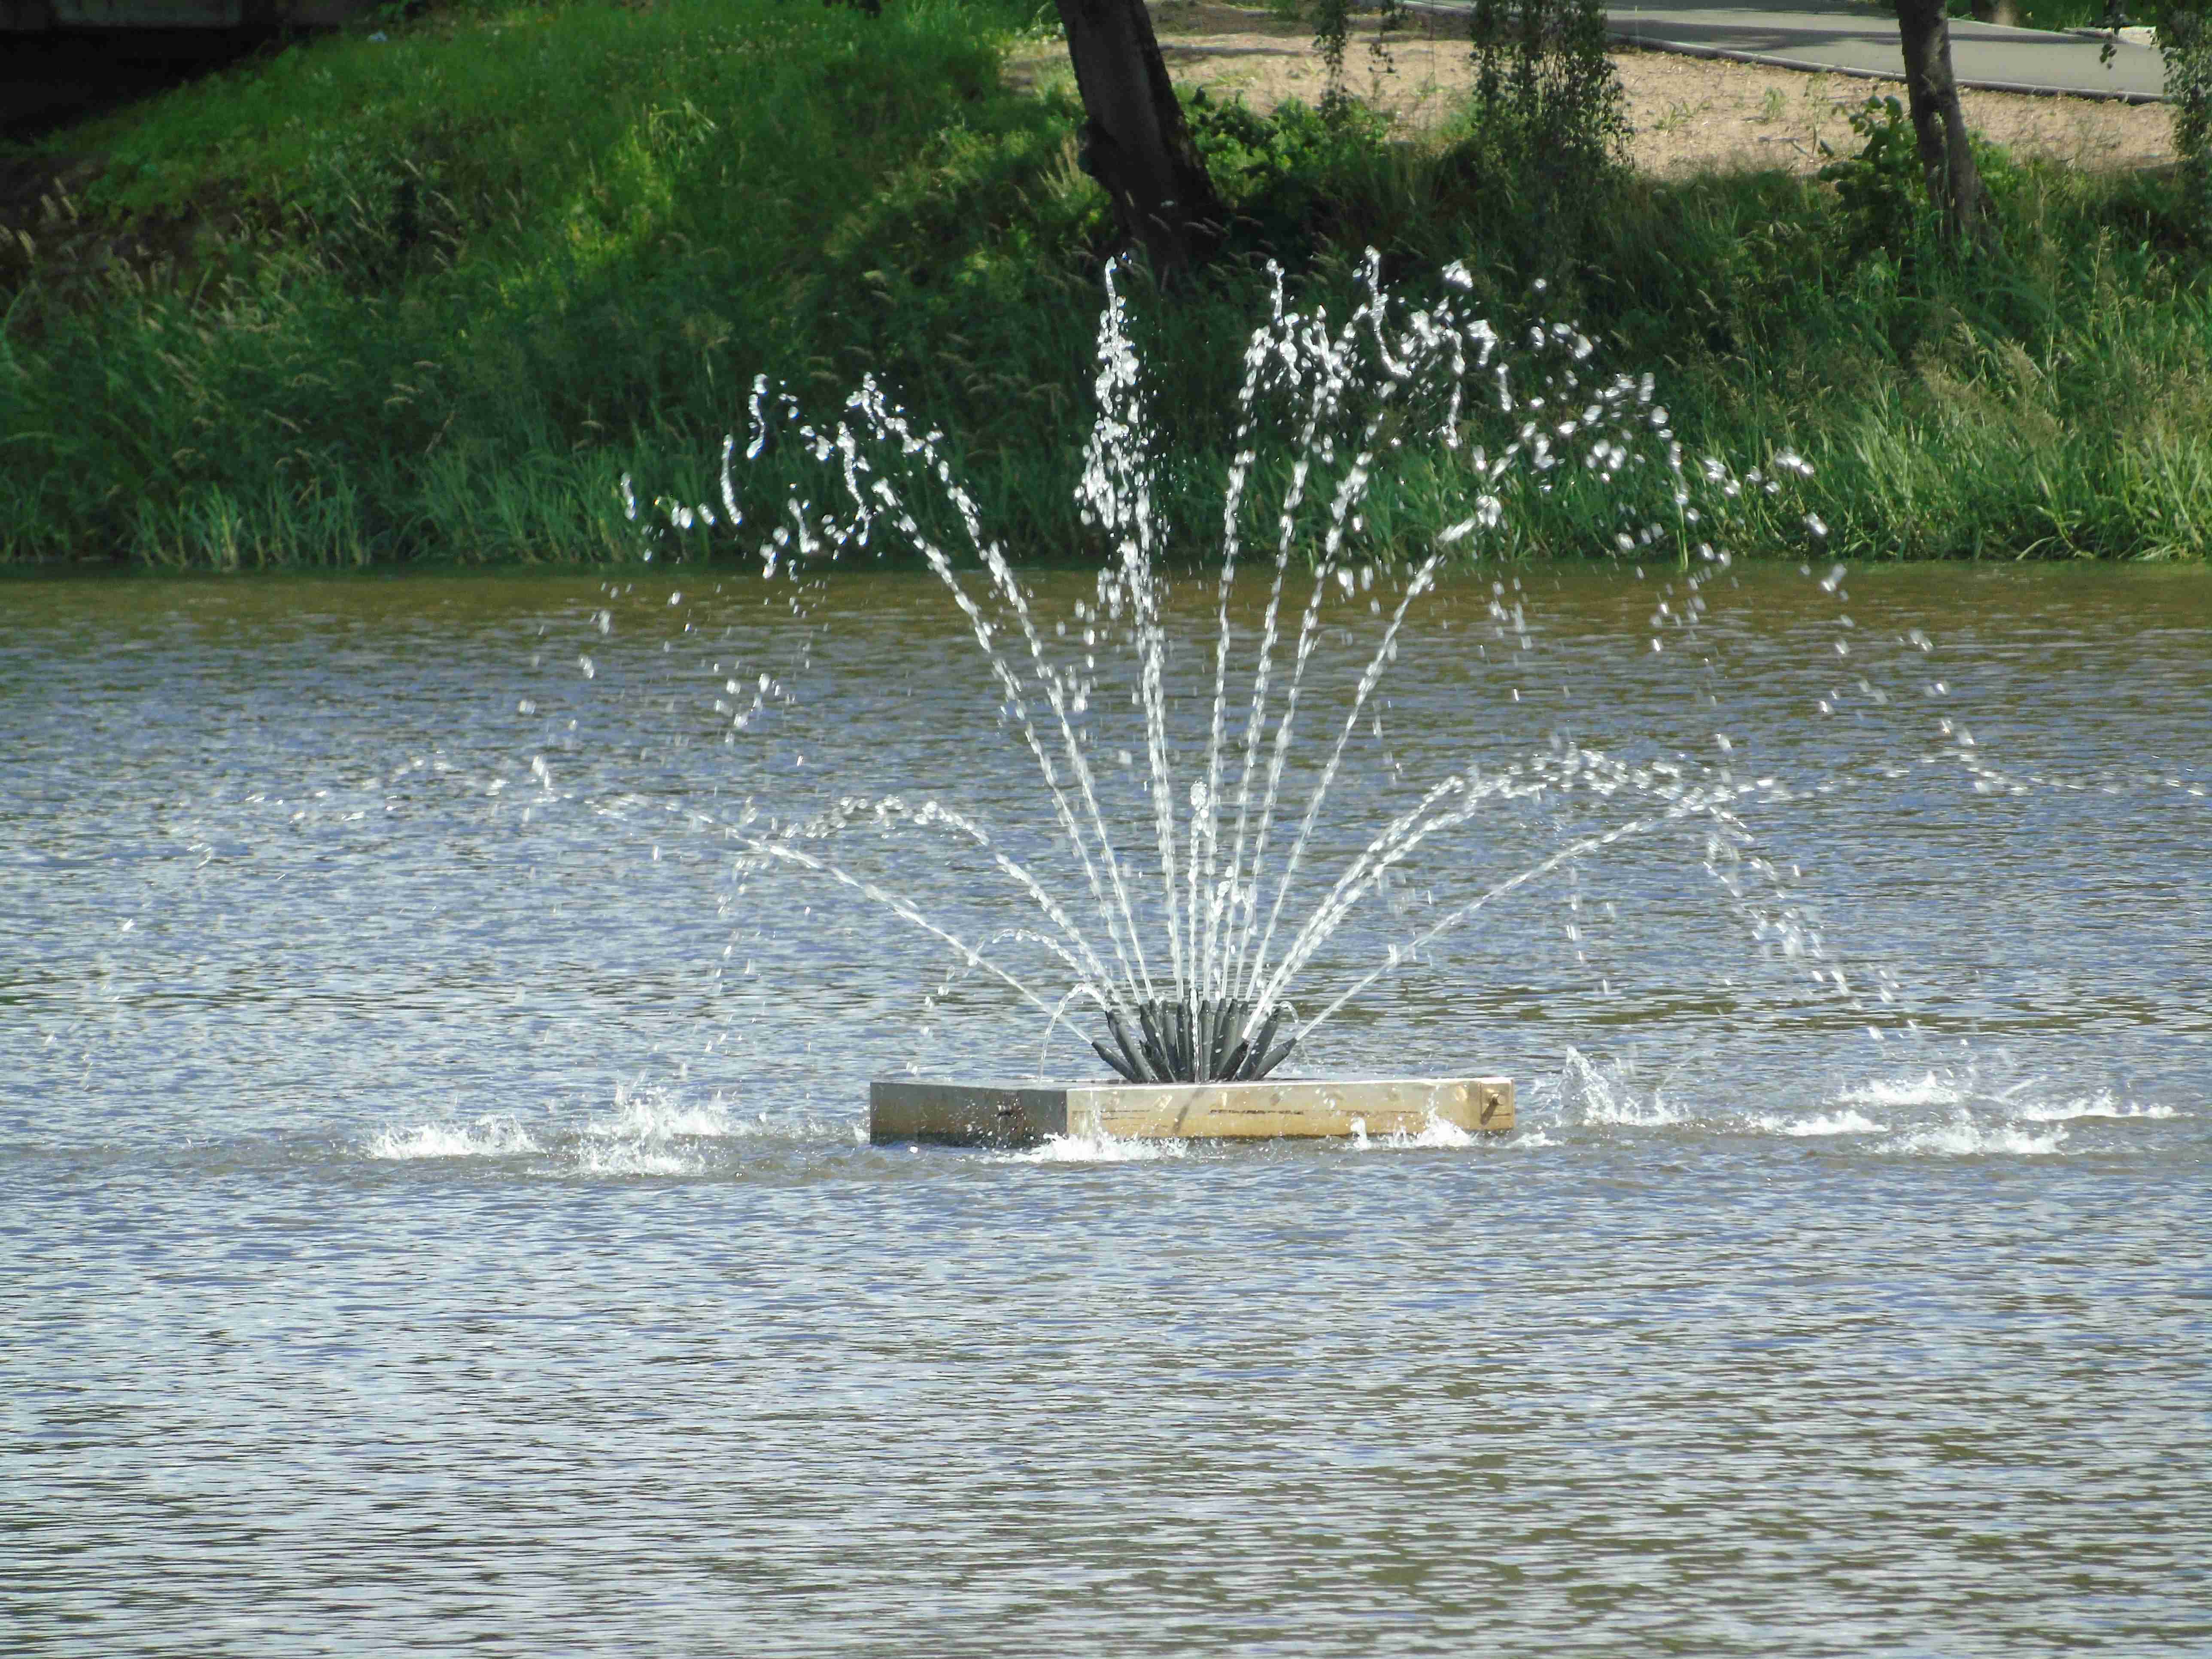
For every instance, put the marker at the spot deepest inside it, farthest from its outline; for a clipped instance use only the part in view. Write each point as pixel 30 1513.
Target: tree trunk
pixel 1134 141
pixel 1939 124
pixel 1997 11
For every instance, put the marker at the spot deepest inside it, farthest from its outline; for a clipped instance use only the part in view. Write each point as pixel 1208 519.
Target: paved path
pixel 1847 38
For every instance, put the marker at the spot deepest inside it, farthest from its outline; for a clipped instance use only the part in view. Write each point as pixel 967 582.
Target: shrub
pixel 1549 121
pixel 2185 39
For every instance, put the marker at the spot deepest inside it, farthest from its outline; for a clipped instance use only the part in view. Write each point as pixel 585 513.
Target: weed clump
pixel 1549 123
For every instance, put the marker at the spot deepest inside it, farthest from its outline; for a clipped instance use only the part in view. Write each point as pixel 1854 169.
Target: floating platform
pixel 1005 1113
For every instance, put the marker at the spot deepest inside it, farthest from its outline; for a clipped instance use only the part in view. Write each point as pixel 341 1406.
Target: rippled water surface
pixel 435 1207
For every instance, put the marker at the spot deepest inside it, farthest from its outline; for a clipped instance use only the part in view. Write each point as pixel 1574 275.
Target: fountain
pixel 1189 953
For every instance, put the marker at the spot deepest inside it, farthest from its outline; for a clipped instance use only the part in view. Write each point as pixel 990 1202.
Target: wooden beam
pixel 1010 1114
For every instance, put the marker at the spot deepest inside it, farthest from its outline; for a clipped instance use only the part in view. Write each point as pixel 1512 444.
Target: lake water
pixel 434 1207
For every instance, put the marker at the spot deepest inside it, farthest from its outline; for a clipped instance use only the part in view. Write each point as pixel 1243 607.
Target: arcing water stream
pixel 432 1213
pixel 1231 933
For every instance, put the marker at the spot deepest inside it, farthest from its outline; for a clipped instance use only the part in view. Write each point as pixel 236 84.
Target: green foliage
pixel 1332 37
pixel 434 297
pixel 1283 173
pixel 1884 199
pixel 1882 188
pixel 1547 127
pixel 2185 39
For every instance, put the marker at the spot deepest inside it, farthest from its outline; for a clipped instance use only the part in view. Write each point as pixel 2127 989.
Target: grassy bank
pixel 432 297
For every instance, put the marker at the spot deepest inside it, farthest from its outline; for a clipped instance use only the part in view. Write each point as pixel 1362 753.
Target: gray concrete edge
pixel 1629 35
pixel 1767 60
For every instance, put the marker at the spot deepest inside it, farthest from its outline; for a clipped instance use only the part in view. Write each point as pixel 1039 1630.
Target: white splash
pixel 630 1157
pixel 798 1127
pixel 2102 1104
pixel 1962 1137
pixel 1590 1096
pixel 1627 1112
pixel 652 1133
pixel 493 1135
pixel 650 1114
pixel 1929 1090
pixel 1845 1122
pixel 1095 1148
pixel 1439 1133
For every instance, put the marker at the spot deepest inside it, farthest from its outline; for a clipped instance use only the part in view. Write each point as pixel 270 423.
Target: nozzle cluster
pixel 1202 1042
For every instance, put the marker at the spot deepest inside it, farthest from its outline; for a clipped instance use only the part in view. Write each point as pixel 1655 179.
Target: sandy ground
pixel 1688 114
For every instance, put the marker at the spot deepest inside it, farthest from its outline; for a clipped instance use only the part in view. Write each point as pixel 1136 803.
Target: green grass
pixel 432 298
pixel 462 280
pixel 2040 403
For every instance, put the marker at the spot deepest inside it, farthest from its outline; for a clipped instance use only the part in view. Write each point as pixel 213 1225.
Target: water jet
pixel 1188 948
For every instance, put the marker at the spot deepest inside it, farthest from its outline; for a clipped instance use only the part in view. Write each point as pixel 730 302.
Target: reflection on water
pixel 435 1212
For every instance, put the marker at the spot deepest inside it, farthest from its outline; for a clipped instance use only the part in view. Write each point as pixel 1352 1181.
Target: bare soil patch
pixel 1688 115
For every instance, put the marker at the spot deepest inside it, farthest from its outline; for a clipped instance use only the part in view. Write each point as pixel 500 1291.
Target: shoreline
pixel 241 345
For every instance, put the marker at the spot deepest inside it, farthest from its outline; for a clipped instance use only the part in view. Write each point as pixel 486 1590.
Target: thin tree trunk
pixel 1939 124
pixel 1134 140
